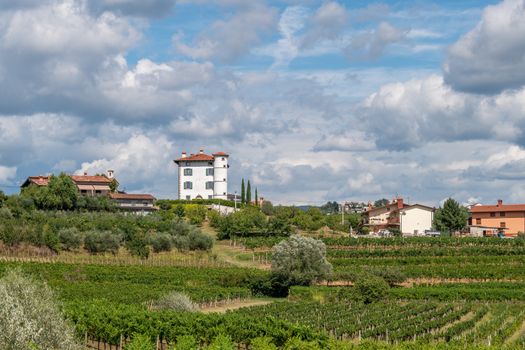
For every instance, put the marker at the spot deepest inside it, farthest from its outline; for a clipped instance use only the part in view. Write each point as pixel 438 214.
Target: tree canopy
pixel 452 217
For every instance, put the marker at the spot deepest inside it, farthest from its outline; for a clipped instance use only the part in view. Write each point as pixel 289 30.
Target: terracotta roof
pixel 87 178
pixel 412 206
pixel 38 180
pixel 497 208
pixel 131 196
pixel 220 154
pixel 195 158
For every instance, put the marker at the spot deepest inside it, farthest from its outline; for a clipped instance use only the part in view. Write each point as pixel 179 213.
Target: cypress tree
pixel 256 197
pixel 248 193
pixel 243 193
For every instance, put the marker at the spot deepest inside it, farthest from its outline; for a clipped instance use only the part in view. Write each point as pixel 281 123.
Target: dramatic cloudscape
pixel 314 100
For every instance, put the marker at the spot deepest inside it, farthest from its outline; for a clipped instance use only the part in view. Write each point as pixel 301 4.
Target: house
pixel 87 185
pixel 488 220
pixel 409 219
pixel 203 176
pixel 140 203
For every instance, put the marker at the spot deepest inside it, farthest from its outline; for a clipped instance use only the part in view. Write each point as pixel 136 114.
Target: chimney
pixel 110 174
pixel 201 151
pixel 400 203
pixel 500 202
pixel 183 155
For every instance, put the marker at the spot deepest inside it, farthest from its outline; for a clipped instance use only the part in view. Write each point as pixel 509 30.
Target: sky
pixel 313 100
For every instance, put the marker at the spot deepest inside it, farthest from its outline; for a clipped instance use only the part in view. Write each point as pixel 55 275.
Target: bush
pixel 161 242
pixel 262 343
pixel 70 238
pixel 140 342
pixel 391 275
pixel 199 240
pixel 195 213
pixel 175 301
pixel 371 288
pixel 182 243
pixel 268 286
pixel 30 316
pixel 138 246
pixel 300 261
pixel 101 242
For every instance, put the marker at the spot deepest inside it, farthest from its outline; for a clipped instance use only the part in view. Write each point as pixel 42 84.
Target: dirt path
pixel 235 305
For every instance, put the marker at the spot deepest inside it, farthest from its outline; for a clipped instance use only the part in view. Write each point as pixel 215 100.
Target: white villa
pixel 203 176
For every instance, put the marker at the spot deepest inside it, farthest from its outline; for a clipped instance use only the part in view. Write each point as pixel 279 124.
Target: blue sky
pixel 314 100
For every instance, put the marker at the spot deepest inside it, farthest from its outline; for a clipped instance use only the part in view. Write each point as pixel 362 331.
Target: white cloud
pixel 7 173
pixel 228 40
pixel 327 23
pixel 371 44
pixel 491 57
pixel 347 142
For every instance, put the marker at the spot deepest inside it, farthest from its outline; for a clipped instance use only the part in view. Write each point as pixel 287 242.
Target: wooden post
pixel 85 339
pixel 120 343
pixel 157 344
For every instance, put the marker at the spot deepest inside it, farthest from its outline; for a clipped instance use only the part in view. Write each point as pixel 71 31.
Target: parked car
pixel 432 233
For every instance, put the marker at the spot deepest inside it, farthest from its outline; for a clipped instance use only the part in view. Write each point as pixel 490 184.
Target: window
pixel 478 221
pixel 209 171
pixel 224 166
pixel 83 191
pixel 492 215
pixel 98 191
pixel 187 163
pixel 188 172
pixel 502 224
pixel 223 158
pixel 188 198
pixel 209 185
pixel 188 185
pixel 502 213
pixel 210 196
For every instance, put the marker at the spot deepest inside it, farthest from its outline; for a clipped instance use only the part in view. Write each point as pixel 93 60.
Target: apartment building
pixel 488 220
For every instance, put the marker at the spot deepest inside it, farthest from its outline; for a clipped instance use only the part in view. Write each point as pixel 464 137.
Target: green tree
pixel 243 193
pixel 300 261
pixel 248 193
pixel 452 217
pixel 381 202
pixel 30 316
pixel 256 197
pixel 3 198
pixel 113 185
pixel 371 288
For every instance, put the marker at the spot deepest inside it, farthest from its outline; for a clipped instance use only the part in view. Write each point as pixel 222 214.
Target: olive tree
pixel 300 261
pixel 30 317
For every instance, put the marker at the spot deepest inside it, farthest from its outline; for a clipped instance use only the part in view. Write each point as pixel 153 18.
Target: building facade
pixel 133 202
pixel 409 219
pixel 508 219
pixel 87 185
pixel 203 176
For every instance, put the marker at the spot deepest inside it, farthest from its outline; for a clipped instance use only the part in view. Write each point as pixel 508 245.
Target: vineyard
pixel 419 321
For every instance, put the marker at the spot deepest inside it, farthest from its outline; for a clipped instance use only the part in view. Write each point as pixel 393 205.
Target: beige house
pixel 415 219
pixel 87 185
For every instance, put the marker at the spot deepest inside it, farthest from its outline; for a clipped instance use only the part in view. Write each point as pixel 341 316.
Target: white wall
pixel 416 219
pixel 220 177
pixel 198 178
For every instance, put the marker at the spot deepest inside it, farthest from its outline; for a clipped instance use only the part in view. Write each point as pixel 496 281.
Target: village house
pixel 488 220
pixel 138 203
pixel 87 185
pixel 412 219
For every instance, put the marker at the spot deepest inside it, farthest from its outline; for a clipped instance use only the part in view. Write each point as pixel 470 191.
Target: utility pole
pixel 235 200
pixel 343 213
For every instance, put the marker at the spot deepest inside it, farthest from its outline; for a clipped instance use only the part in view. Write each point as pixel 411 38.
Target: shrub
pixel 300 261
pixel 262 343
pixel 391 275
pixel 268 286
pixel 138 245
pixel 195 213
pixel 70 238
pixel 182 243
pixel 51 239
pixel 175 301
pixel 30 317
pixel 371 288
pixel 161 242
pixel 140 342
pixel 199 240
pixel 101 242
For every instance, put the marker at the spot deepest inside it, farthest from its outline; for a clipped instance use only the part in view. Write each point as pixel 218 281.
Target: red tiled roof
pixel 195 158
pixel 38 180
pixel 497 208
pixel 87 178
pixel 131 196
pixel 220 154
